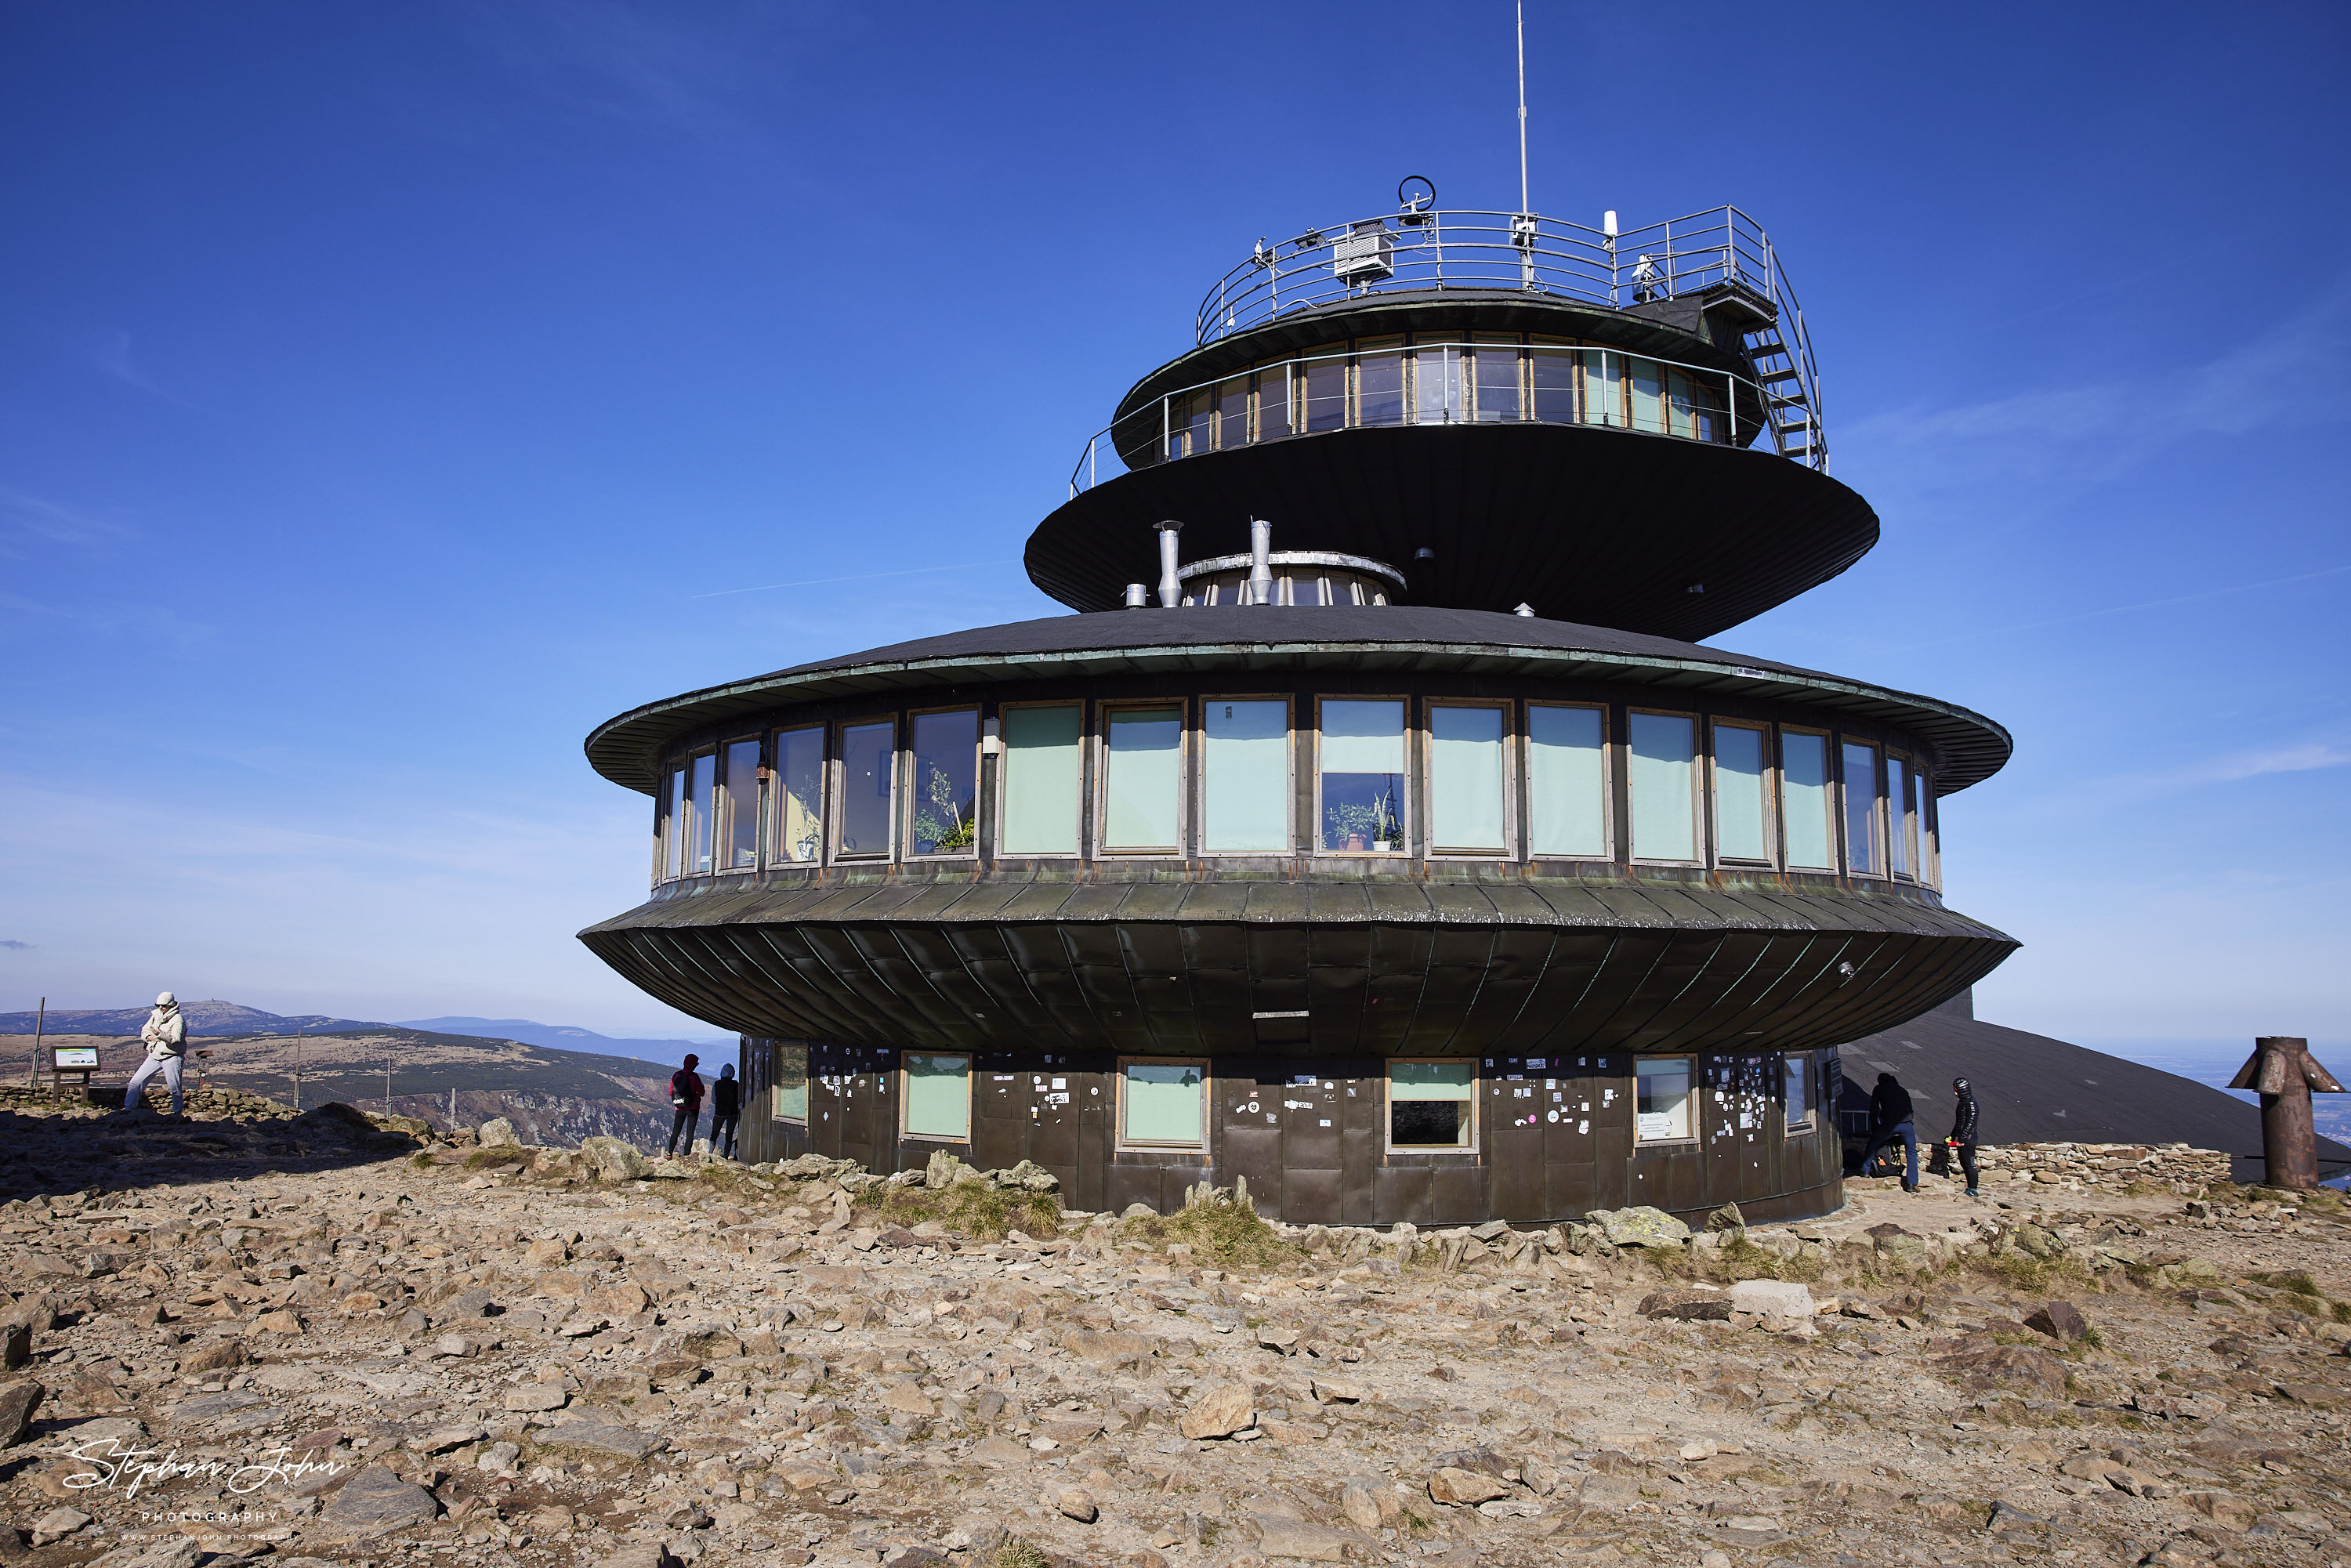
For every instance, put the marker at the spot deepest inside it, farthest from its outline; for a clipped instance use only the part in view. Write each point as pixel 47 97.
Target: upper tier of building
pixel 1621 432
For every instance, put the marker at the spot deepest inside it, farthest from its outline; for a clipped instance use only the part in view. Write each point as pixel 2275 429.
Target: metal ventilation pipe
pixel 1171 587
pixel 1136 596
pixel 1261 579
pixel 1523 609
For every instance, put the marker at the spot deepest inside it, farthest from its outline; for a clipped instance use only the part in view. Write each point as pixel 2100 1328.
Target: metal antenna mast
pixel 1523 208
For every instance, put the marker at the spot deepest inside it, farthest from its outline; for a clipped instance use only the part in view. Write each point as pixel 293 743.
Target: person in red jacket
pixel 685 1094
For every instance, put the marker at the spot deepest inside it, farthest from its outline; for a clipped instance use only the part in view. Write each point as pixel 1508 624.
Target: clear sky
pixel 386 391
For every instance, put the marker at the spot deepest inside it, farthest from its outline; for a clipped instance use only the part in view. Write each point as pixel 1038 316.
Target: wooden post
pixel 40 1027
pixel 2283 1073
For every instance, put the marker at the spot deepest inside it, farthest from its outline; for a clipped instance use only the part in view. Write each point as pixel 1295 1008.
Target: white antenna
pixel 1522 108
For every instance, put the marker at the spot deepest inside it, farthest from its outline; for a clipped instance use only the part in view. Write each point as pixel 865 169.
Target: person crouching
pixel 165 1035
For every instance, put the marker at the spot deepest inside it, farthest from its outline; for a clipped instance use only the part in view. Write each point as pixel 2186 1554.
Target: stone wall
pixel 208 1103
pixel 2100 1165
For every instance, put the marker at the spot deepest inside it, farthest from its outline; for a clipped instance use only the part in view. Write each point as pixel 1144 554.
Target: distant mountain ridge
pixel 213 1017
pixel 567 1036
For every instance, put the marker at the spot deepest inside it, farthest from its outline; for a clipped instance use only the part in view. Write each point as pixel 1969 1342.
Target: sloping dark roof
pixel 627 749
pixel 2035 1090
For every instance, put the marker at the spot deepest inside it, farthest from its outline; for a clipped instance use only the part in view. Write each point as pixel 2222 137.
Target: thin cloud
pixel 612 60
pixel 2124 609
pixel 14 946
pixel 27 520
pixel 114 360
pixel 861 577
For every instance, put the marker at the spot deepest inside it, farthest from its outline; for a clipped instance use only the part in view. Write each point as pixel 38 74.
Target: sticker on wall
pixel 1302 1080
pixel 1061 1083
pixel 1523 1093
pixel 1583 1127
pixel 1326 1121
pixel 1537 1064
pixel 1270 1116
pixel 1252 1107
pixel 1550 1116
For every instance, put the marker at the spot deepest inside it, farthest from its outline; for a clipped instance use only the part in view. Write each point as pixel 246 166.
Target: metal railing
pixel 1420 251
pixel 1608 388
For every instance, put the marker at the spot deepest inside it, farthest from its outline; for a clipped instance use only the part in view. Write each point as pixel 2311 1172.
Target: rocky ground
pixel 314 1339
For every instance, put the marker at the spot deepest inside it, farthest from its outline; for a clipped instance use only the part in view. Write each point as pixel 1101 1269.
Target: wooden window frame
pixel 1915 848
pixel 1804 1065
pixel 1930 832
pixel 1700 760
pixel 715 751
pixel 1831 763
pixel 1507 708
pixel 1121 1144
pixel 1473 1149
pixel 1695 1137
pixel 775 1087
pixel 1770 859
pixel 904 826
pixel 772 830
pixel 722 829
pixel 1608 826
pixel 1100 783
pixel 836 777
pixel 1877 750
pixel 970 1081
pixel 1196 777
pixel 1004 777
pixel 1404 808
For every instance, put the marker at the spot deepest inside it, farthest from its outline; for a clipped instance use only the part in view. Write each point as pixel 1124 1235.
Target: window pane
pixel 1465 774
pixel 799 795
pixel 1165 1102
pixel 1566 781
pixel 866 753
pixel 938 1096
pixel 1244 777
pixel 1663 1110
pixel 742 805
pixel 1431 1104
pixel 791 1083
pixel 675 855
pixel 1740 799
pixel 1363 774
pixel 1800 1107
pixel 1379 382
pixel 946 783
pixel 1663 780
pixel 1042 763
pixel 1431 1079
pixel 1647 380
pixel 1861 810
pixel 1143 779
pixel 1604 387
pixel 1273 403
pixel 1804 795
pixel 1437 384
pixel 1325 375
pixel 1552 372
pixel 1497 367
pixel 1898 858
pixel 703 805
pixel 1232 413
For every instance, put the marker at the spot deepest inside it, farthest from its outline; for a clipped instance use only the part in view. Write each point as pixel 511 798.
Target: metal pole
pixel 297 1065
pixel 387 1083
pixel 1522 107
pixel 40 1028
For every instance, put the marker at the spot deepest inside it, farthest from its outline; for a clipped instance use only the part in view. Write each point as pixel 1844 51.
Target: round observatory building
pixel 1377 829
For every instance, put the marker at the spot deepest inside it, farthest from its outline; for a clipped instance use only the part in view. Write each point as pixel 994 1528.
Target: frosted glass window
pixel 1143 777
pixel 1741 795
pixel 1567 781
pixel 1805 801
pixel 1432 1104
pixel 1662 771
pixel 799 795
pixel 1551 380
pixel 946 780
pixel 791 1083
pixel 1799 1097
pixel 1930 833
pixel 674 851
pixel 936 1101
pixel 1604 387
pixel 1041 770
pixel 1861 848
pixel 1662 1108
pixel 703 809
pixel 867 753
pixel 1244 777
pixel 1361 758
pixel 742 805
pixel 1464 777
pixel 1902 813
pixel 1166 1104
pixel 1647 382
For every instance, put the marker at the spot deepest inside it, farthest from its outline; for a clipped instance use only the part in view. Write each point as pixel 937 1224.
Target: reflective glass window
pixel 1661 771
pixel 791 1082
pixel 1604 387
pixel 1464 778
pixel 1325 372
pixel 1902 818
pixel 1273 403
pixel 1379 381
pixel 1742 794
pixel 945 814
pixel 1042 765
pixel 675 855
pixel 1861 847
pixel 742 805
pixel 867 754
pixel 1646 381
pixel 1930 834
pixel 1437 384
pixel 1232 413
pixel 1197 413
pixel 1164 1105
pixel 1361 762
pixel 799 796
pixel 1807 825
pixel 1245 776
pixel 1551 381
pixel 1496 366
pixel 702 808
pixel 1567 781
pixel 1663 1105
pixel 1681 404
pixel 1433 1105
pixel 1798 1093
pixel 1143 780
pixel 936 1101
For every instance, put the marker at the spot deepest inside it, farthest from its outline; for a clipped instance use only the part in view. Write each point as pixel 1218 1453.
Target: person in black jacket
pixel 726 1107
pixel 1891 1117
pixel 1962 1141
pixel 685 1094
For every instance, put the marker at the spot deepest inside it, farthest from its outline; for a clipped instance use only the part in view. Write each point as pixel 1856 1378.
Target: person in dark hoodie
pixel 1962 1141
pixel 685 1094
pixel 725 1109
pixel 1891 1117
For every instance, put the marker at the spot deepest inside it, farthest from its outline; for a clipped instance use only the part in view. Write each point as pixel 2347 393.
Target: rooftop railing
pixel 1419 251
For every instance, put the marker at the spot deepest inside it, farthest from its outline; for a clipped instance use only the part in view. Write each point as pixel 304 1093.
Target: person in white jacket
pixel 166 1037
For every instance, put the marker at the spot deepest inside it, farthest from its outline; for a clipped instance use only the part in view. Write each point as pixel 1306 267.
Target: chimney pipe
pixel 1171 588
pixel 1261 579
pixel 1136 596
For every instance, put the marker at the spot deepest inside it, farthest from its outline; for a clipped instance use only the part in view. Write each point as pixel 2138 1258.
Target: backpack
pixel 677 1095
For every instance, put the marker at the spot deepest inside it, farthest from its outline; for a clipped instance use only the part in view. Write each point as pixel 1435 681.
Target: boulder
pixel 374 1502
pixel 1453 1484
pixel 497 1132
pixel 601 1441
pixel 615 1161
pixel 57 1524
pixel 1689 1306
pixel 2060 1321
pixel 1076 1502
pixel 1772 1298
pixel 1284 1536
pixel 18 1400
pixel 1726 1218
pixel 1219 1413
pixel 1640 1225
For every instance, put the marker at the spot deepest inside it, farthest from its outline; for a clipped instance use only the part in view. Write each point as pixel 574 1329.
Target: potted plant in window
pixel 942 823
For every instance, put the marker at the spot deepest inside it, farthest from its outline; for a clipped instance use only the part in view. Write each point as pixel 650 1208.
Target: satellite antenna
pixel 1415 194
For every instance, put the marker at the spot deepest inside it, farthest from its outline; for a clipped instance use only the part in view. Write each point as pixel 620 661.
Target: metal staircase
pixel 1790 381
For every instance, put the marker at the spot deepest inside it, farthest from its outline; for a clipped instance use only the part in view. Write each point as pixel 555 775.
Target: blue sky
pixel 387 391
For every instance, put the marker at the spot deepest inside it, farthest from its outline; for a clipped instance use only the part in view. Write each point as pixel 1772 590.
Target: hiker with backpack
pixel 726 1107
pixel 1891 1117
pixel 685 1094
